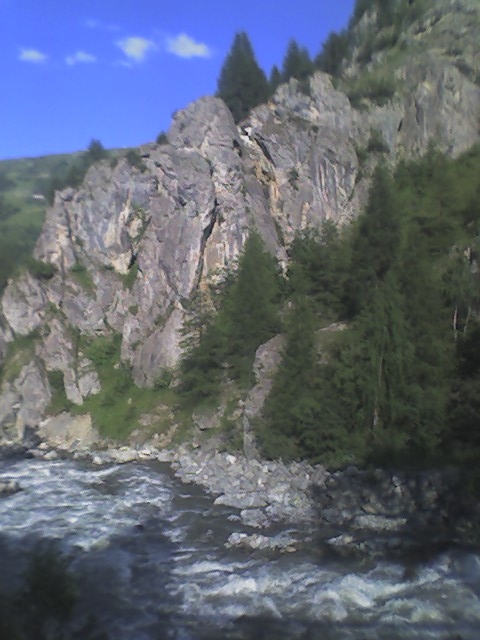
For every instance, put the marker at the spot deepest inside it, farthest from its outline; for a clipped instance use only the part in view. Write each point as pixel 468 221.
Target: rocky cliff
pixel 129 249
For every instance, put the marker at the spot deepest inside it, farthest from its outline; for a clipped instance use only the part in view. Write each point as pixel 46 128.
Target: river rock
pixel 69 432
pixel 378 523
pixel 123 455
pixel 257 541
pixel 8 488
pixel 254 517
pixel 241 501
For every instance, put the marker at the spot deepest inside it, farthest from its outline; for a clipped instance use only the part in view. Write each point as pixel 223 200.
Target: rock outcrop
pixel 130 248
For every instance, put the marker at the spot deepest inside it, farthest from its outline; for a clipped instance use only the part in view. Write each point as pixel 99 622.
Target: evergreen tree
pixel 376 242
pixel 95 152
pixel 334 51
pixel 290 410
pixel 221 343
pixel 384 362
pixel 242 84
pixel 430 334
pixel 463 438
pixel 312 409
pixel 296 63
pixel 202 366
pixel 318 267
pixel 275 79
pixel 251 306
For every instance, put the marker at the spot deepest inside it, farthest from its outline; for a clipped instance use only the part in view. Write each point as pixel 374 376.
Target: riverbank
pixel 353 511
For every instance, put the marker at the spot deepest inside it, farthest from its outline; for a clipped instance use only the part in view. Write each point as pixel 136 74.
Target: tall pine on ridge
pixel 242 84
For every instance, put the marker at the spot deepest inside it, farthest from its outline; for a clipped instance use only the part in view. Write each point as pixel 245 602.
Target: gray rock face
pixel 23 401
pixel 23 305
pixel 69 432
pixel 133 244
pixel 440 105
pixel 267 360
pixel 303 151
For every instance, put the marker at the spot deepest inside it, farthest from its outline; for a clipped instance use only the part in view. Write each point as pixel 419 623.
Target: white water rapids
pixel 149 556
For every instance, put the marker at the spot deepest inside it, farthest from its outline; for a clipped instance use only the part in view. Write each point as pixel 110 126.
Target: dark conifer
pixel 242 84
pixel 251 306
pixel 376 242
pixel 296 63
pixel 275 79
pixel 335 49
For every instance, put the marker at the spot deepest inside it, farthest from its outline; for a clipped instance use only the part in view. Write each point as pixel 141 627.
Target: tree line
pixel 243 84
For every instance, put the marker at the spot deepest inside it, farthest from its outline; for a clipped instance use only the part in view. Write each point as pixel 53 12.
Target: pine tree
pixel 242 84
pixel 384 363
pixel 334 51
pixel 376 242
pixel 430 334
pixel 224 343
pixel 95 152
pixel 296 63
pixel 290 409
pixel 318 266
pixel 202 367
pixel 275 79
pixel 463 437
pixel 251 306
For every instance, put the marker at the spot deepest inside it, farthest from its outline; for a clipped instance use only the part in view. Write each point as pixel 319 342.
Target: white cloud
pixel 136 48
pixel 80 57
pixel 32 55
pixel 186 47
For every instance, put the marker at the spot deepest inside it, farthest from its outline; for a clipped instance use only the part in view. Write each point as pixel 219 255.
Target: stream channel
pixel 149 556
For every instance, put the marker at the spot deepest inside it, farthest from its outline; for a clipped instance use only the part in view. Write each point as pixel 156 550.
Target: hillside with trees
pixel 396 382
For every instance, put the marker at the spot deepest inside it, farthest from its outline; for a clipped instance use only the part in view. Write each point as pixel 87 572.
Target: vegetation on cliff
pixel 399 381
pixel 248 315
pixel 26 187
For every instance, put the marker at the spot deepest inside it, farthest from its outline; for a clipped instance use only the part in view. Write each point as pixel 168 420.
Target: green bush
pixel 59 401
pixel 104 350
pixel 376 143
pixel 293 176
pixel 117 408
pixel 164 378
pixel 19 353
pixel 376 87
pixel 131 275
pixel 41 270
pixel 135 160
pixel 82 276
pixel 162 138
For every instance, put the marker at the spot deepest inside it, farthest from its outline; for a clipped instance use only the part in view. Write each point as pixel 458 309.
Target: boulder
pixel 69 432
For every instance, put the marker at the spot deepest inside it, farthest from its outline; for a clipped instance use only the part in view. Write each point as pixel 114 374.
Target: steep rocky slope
pixel 130 248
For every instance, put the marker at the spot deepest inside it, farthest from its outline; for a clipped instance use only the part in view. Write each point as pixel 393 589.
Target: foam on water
pixel 81 506
pixel 205 566
pixel 142 551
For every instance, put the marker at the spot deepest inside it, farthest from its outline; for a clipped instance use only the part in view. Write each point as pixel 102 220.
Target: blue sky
pixel 116 70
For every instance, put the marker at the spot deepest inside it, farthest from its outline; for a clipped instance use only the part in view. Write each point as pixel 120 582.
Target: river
pixel 149 556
